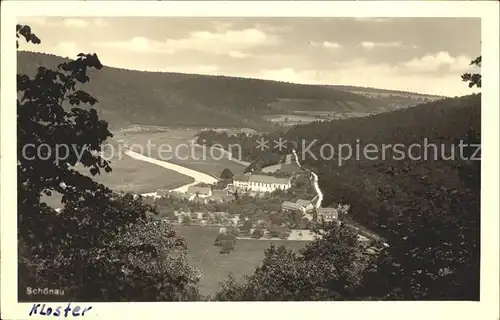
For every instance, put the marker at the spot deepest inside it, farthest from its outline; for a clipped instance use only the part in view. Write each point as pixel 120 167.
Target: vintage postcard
pixel 294 159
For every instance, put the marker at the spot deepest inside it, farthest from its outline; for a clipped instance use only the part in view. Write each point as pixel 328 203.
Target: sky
pixel 425 55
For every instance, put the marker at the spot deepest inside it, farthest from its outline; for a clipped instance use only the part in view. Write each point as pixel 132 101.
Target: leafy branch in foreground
pixel 25 32
pixel 326 269
pixel 101 246
pixel 474 79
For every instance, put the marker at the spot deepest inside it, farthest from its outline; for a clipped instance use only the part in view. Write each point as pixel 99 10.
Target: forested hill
pixel 171 99
pixel 427 210
pixel 386 185
pixel 385 91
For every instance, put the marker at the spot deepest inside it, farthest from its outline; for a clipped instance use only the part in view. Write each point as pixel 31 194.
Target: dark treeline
pixel 101 246
pixel 415 204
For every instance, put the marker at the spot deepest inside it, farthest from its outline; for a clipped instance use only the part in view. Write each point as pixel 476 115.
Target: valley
pixel 171 149
pixel 216 267
pixel 128 97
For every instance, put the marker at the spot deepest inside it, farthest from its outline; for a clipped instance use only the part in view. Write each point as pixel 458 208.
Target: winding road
pixel 196 175
pixel 205 178
pixel 320 194
pixel 315 180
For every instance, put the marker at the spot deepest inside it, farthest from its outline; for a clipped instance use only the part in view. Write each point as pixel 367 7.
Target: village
pixel 275 202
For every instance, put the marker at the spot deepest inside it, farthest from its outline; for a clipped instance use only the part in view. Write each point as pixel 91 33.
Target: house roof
pixel 247 130
pixel 179 194
pixel 289 167
pixel 268 179
pixel 200 200
pixel 161 192
pixel 303 202
pixel 282 167
pixel 272 168
pixel 225 196
pixel 363 230
pixel 241 177
pixel 198 189
pixel 219 193
pixel 261 178
pixel 327 210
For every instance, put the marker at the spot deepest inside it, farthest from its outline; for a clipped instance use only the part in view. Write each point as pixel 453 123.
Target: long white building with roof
pixel 261 183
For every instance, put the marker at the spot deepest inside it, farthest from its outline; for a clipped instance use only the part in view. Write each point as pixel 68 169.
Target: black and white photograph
pixel 262 158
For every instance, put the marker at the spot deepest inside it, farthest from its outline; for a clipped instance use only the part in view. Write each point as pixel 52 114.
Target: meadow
pixel 279 118
pixel 130 175
pixel 137 176
pixel 203 255
pixel 190 157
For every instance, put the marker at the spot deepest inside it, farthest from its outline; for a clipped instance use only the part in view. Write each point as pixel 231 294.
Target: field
pixel 190 157
pixel 130 175
pixel 137 176
pixel 344 109
pixel 202 254
pixel 284 118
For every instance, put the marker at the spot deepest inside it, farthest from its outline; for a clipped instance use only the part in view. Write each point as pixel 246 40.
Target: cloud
pixel 222 25
pixel 80 23
pixel 99 22
pixel 326 44
pixel 63 22
pixel 206 69
pixel 220 42
pixel 432 63
pixel 66 49
pixel 367 44
pixel 139 44
pixel 33 21
pixel 361 73
pixel 289 75
pixel 372 45
pixel 229 39
pixel 272 28
pixel 238 54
